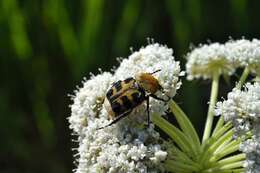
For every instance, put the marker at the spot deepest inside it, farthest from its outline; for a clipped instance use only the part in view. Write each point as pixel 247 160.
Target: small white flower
pixel 206 60
pixel 242 108
pixel 124 147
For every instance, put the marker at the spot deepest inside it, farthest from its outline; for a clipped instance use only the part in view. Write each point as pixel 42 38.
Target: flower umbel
pixel 205 61
pixel 245 53
pixel 242 108
pixel 125 146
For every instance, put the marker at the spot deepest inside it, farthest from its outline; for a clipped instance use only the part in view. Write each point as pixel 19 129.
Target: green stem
pixel 172 165
pixel 217 162
pixel 233 165
pixel 232 144
pixel 207 144
pixel 221 140
pixel 185 125
pixel 176 135
pixel 210 151
pixel 230 149
pixel 213 99
pixel 235 170
pixel 243 78
pixel 223 145
pixel 226 167
pixel 220 124
pixel 177 154
pixel 222 130
pixel 232 159
pixel 175 169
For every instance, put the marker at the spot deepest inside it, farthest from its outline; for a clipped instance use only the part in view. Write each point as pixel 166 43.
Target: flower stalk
pixel 179 137
pixel 185 124
pixel 213 99
pixel 243 77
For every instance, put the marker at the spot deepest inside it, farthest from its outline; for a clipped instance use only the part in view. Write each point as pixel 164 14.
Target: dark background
pixel 48 46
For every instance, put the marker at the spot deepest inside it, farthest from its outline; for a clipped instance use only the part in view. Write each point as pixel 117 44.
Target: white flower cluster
pixel 125 147
pixel 204 61
pixel 242 108
pixel 207 60
pixel 245 53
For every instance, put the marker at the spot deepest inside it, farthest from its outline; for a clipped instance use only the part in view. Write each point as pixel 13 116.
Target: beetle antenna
pixel 155 71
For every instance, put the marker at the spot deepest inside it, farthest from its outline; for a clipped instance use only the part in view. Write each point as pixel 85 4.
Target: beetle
pixel 124 96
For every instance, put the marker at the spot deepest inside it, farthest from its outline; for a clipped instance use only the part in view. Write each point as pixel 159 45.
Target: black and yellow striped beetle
pixel 126 95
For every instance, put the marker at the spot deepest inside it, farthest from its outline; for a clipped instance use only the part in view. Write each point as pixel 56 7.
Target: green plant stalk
pixel 233 165
pixel 228 160
pixel 227 151
pixel 220 124
pixel 235 170
pixel 177 154
pixel 205 146
pixel 233 143
pixel 174 169
pixel 223 145
pixel 214 138
pixel 222 130
pixel 226 167
pixel 238 170
pixel 184 161
pixel 231 159
pixel 185 125
pixel 175 164
pixel 213 99
pixel 221 140
pixel 243 78
pixel 212 148
pixel 175 134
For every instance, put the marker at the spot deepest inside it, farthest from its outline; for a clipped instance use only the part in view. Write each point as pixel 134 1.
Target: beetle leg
pixel 117 119
pixel 148 112
pixel 158 98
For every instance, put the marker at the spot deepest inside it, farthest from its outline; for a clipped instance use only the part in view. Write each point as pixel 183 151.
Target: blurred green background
pixel 48 46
